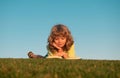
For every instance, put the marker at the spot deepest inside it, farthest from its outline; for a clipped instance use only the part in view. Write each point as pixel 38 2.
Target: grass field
pixel 58 68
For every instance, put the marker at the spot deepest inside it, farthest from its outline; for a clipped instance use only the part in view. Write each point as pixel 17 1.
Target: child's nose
pixel 59 40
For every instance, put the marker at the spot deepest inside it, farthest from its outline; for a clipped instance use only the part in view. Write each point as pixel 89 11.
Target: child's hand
pixel 56 46
pixel 62 54
pixel 59 48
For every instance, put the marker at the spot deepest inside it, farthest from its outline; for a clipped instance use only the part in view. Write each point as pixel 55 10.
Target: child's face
pixel 31 55
pixel 60 41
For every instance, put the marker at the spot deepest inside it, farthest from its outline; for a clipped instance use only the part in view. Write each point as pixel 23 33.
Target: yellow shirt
pixel 71 52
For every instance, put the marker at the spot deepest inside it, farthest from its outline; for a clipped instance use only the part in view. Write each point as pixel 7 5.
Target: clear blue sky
pixel 94 24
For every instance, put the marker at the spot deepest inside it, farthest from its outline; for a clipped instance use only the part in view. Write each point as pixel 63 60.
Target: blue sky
pixel 94 24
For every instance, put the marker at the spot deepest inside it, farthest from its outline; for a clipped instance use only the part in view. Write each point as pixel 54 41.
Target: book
pixel 54 57
pixel 62 58
pixel 73 58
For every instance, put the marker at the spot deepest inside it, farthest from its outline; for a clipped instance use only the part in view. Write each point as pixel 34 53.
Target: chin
pixel 61 46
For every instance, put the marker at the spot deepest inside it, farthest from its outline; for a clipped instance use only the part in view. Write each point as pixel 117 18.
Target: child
pixel 32 55
pixel 60 42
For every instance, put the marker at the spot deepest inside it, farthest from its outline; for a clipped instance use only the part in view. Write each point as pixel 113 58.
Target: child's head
pixel 30 54
pixel 60 31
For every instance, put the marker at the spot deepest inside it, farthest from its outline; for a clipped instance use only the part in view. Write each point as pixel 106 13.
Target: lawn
pixel 58 68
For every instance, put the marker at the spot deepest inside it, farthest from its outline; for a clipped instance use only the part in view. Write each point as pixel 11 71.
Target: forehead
pixel 60 37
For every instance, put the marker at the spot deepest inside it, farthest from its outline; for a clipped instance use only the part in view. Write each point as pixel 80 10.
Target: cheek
pixel 55 41
pixel 64 41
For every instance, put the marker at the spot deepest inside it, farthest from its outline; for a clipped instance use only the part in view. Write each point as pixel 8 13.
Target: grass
pixel 58 68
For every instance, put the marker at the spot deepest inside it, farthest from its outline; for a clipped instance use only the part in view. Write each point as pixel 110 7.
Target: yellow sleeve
pixel 71 52
pixel 50 53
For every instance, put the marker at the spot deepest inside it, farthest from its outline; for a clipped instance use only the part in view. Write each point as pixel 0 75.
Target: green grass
pixel 59 68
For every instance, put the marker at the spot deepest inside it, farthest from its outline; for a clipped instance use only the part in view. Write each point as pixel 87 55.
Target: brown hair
pixel 60 30
pixel 29 54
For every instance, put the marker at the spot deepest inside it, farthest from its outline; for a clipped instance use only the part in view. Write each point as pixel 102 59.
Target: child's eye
pixel 57 38
pixel 62 38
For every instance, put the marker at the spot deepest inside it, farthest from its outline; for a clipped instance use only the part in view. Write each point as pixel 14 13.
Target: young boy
pixel 32 55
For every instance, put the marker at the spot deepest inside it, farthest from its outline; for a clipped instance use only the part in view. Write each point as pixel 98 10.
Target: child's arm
pixel 60 53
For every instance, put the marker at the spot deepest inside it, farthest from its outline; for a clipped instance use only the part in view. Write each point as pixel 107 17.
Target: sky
pixel 95 26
